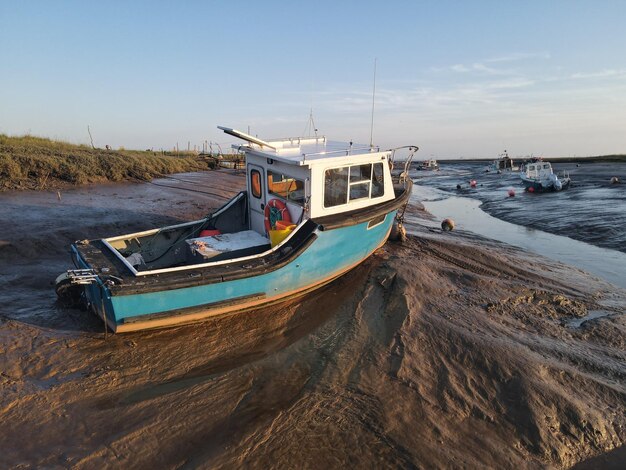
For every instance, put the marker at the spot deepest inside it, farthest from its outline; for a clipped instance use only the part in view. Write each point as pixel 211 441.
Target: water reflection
pixel 466 212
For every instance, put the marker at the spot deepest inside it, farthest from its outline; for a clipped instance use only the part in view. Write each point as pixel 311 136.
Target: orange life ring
pixel 280 212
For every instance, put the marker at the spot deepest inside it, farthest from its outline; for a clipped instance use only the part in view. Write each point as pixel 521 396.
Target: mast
pixel 373 100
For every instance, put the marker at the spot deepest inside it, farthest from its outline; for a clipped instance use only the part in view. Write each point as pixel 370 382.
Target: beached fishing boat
pixel 539 177
pixel 428 165
pixel 502 163
pixel 312 210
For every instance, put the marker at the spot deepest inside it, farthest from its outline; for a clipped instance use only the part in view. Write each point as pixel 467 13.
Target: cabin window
pixel 255 183
pixel 285 187
pixel 378 180
pixel 546 166
pixel 360 181
pixel 336 187
pixel 353 183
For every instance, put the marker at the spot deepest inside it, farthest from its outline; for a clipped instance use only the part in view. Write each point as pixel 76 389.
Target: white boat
pixel 428 165
pixel 539 177
pixel 313 209
pixel 502 163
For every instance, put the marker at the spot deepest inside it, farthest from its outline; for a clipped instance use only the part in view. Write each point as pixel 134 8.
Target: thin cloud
pixel 480 67
pixel 601 74
pixel 477 68
pixel 460 68
pixel 475 94
pixel 515 56
pixel 516 82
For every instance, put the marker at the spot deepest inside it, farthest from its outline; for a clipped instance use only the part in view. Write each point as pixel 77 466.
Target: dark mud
pixel 447 351
pixel 593 210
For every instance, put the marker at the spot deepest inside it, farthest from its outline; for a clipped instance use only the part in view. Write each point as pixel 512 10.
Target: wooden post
pixel 90 138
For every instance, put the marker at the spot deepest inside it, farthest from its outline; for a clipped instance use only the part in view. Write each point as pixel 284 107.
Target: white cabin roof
pixel 302 151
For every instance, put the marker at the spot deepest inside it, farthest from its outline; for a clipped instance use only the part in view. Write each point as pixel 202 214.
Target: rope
pixel 178 187
pixel 190 190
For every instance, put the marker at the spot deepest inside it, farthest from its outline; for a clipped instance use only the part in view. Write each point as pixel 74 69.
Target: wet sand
pixel 446 351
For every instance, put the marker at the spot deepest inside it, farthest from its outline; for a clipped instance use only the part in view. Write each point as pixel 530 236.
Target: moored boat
pixel 502 163
pixel 539 177
pixel 312 210
pixel 428 165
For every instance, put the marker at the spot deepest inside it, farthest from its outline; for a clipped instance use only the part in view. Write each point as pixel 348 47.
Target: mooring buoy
pixel 447 225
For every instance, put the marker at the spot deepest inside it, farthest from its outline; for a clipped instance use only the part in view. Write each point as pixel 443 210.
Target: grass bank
pixel 29 162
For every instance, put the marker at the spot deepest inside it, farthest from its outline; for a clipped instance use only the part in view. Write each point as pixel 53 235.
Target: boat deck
pixel 242 264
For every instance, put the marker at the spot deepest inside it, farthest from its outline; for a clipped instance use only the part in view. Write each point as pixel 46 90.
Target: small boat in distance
pixel 313 209
pixel 428 165
pixel 539 177
pixel 502 163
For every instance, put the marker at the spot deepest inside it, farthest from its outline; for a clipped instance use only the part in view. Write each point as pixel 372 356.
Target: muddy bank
pixel 445 351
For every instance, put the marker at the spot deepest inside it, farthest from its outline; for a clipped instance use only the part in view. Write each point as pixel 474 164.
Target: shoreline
pixel 618 158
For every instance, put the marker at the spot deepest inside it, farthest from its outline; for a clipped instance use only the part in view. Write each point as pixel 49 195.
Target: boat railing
pixel 347 151
pixel 404 174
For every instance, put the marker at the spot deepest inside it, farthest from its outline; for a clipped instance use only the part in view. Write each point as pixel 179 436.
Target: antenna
pixel 373 100
pixel 310 127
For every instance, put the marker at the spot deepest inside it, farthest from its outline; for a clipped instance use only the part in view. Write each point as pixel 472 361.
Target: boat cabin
pixel 504 163
pixel 538 170
pixel 313 177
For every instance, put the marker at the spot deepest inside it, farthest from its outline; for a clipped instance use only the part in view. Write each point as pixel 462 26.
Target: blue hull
pixel 331 254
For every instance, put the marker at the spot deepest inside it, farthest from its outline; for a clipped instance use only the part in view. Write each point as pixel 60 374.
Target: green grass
pixel 29 162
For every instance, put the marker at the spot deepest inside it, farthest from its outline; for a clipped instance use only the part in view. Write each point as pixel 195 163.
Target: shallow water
pixel 592 210
pixel 592 315
pixel 468 215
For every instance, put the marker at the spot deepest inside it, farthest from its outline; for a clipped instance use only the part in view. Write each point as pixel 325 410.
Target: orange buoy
pixel 511 192
pixel 473 183
pixel 447 225
pixel 531 190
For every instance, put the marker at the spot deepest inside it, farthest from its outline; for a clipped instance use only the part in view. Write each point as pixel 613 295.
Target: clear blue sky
pixel 457 78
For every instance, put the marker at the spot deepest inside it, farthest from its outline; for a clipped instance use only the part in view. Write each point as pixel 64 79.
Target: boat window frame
pixel 254 172
pixel 352 181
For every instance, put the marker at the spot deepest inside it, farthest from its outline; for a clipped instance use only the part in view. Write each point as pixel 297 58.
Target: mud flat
pixel 447 351
pixel 592 210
